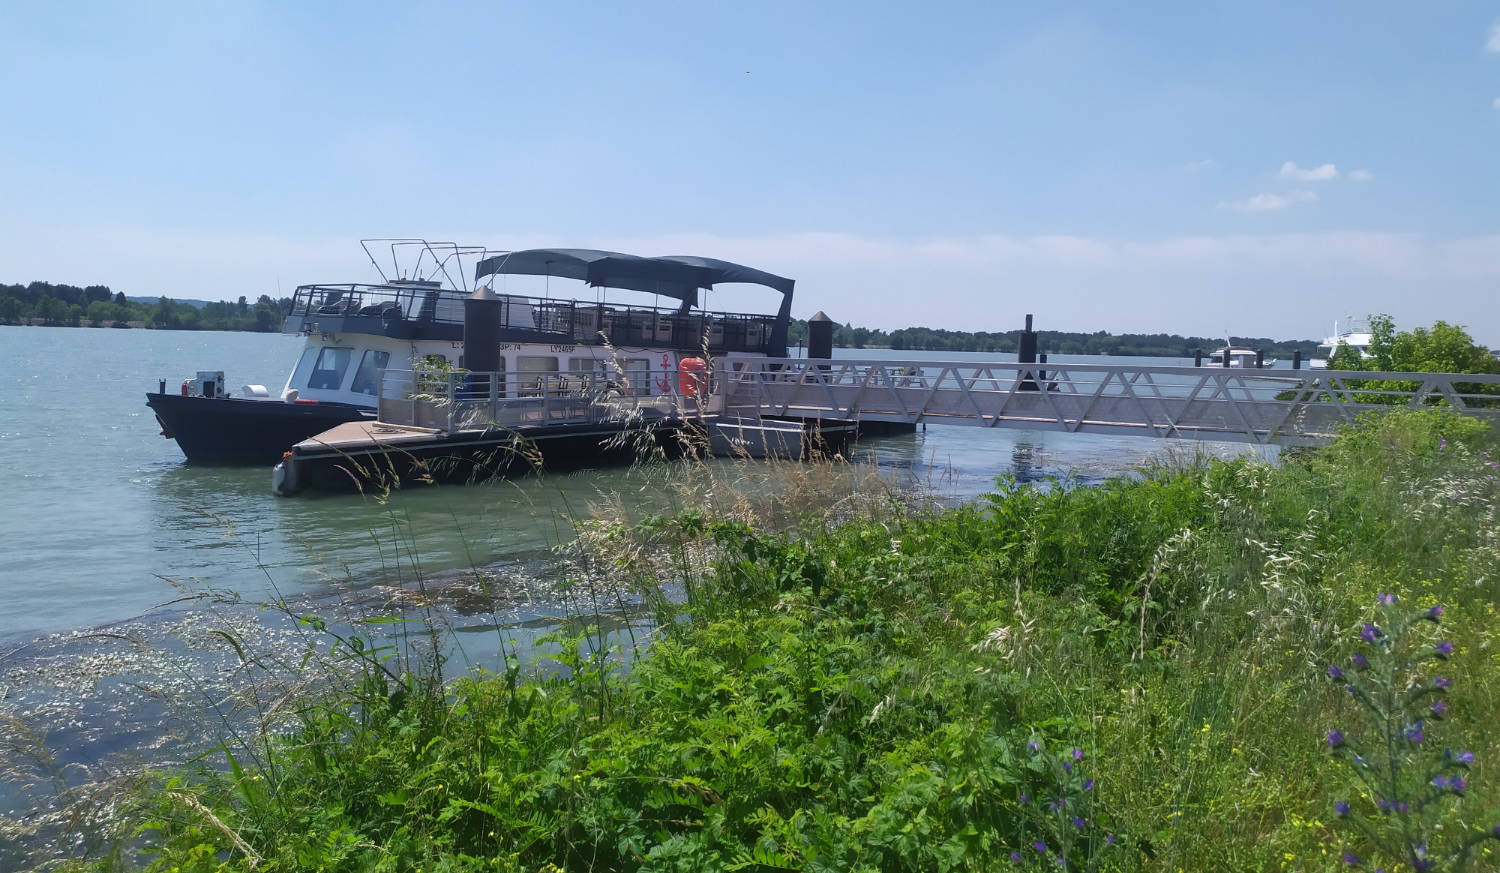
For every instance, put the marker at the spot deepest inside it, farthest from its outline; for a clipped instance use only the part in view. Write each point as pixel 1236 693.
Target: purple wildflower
pixel 1387 599
pixel 1440 682
pixel 1369 633
pixel 1458 783
pixel 1067 766
pixel 1039 846
pixel 1077 822
pixel 1361 662
pixel 1350 858
pixel 1439 709
pixel 1413 732
pixel 1033 746
pixel 1025 798
pixel 1466 758
pixel 1443 649
pixel 1088 784
pixel 1334 672
pixel 1015 857
pixel 1384 805
pixel 1495 831
pixel 1440 782
pixel 1335 738
pixel 1341 807
pixel 1434 613
pixel 1078 754
pixel 1109 839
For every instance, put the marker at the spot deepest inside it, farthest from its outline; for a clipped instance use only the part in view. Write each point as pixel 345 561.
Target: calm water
pixel 99 508
pixel 102 522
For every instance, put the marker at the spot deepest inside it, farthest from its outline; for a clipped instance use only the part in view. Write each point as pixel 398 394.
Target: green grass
pixel 860 695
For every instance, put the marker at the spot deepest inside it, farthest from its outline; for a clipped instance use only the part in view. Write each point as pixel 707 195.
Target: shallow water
pixel 102 523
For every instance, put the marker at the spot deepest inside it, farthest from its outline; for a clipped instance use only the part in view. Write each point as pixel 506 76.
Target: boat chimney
pixel 820 336
pixel 482 317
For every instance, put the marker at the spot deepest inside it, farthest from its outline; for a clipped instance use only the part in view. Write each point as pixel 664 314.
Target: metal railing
pixel 398 305
pixel 1290 407
pixel 454 402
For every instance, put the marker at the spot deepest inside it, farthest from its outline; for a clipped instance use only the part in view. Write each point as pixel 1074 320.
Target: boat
pixel 413 319
pixel 1356 335
pixel 1242 357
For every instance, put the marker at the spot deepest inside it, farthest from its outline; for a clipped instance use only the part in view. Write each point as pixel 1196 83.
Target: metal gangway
pixel 1265 406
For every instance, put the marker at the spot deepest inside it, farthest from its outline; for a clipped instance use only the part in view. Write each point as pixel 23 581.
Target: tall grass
pixel 857 684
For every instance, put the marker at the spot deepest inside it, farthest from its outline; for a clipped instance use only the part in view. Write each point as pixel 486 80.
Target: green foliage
pixel 68 305
pixel 861 696
pixel 1443 348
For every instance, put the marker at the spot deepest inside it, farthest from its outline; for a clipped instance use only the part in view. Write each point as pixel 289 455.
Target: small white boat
pixel 1355 335
pixel 1242 357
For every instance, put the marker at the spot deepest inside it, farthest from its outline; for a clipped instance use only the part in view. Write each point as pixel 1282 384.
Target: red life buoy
pixel 691 376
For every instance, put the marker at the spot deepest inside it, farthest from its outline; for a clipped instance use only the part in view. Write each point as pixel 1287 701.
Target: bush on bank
pixel 1126 677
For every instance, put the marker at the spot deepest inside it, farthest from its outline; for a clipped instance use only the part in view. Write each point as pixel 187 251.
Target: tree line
pixel 97 306
pixel 1161 345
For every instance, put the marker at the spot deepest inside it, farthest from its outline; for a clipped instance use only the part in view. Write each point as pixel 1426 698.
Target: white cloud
pixel 1497 102
pixel 1269 202
pixel 1494 41
pixel 1193 167
pixel 1323 173
pixel 1360 175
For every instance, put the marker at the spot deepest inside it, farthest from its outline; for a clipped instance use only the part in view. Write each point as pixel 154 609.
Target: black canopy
pixel 678 276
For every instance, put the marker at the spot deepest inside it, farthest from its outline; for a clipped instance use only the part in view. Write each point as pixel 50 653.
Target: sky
pixel 1260 169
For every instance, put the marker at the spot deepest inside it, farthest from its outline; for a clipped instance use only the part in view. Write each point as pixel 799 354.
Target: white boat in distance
pixel 1242 357
pixel 1356 335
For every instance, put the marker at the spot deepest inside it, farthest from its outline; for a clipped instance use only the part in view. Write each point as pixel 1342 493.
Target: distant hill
pixel 195 303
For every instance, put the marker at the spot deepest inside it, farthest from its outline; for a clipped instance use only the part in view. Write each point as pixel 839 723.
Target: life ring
pixel 691 376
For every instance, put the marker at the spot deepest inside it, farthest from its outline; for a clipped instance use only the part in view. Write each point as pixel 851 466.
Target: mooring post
pixel 482 316
pixel 1197 357
pixel 1026 352
pixel 1297 360
pixel 1260 359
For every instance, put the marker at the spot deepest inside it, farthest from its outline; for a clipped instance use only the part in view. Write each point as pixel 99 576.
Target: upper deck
pixel 416 310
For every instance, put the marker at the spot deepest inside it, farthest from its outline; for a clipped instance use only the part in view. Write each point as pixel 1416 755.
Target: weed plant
pixel 857 689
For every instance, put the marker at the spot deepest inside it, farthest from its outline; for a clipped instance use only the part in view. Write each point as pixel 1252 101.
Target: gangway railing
pixel 457 401
pixel 1287 407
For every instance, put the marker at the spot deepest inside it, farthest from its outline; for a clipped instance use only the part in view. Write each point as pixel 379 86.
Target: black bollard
pixel 1260 359
pixel 1297 360
pixel 482 314
pixel 1197 357
pixel 1026 352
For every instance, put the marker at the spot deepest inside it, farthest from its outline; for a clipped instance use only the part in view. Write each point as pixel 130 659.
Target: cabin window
pixel 637 377
pixel 367 377
pixel 535 372
pixel 328 372
pixel 589 374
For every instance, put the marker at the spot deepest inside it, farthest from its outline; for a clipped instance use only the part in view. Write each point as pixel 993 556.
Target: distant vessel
pixel 1355 335
pixel 1239 356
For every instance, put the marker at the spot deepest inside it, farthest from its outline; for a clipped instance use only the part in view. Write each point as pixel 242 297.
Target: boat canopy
pixel 678 276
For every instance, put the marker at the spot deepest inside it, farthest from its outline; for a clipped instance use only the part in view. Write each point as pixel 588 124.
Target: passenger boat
pixel 1239 356
pixel 1356 335
pixel 414 318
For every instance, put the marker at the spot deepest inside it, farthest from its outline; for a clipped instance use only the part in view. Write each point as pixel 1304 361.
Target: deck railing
pixel 398 307
pixel 457 401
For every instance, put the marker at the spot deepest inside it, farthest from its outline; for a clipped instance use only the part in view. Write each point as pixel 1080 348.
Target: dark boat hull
pixel 233 430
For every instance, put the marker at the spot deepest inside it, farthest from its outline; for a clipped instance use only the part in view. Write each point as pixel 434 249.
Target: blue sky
pixel 1261 168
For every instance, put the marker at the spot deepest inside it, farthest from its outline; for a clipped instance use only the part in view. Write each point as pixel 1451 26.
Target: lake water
pixel 104 528
pixel 99 508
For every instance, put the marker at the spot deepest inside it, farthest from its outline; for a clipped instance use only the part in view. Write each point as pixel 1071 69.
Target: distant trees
pixel 70 305
pixel 1051 341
